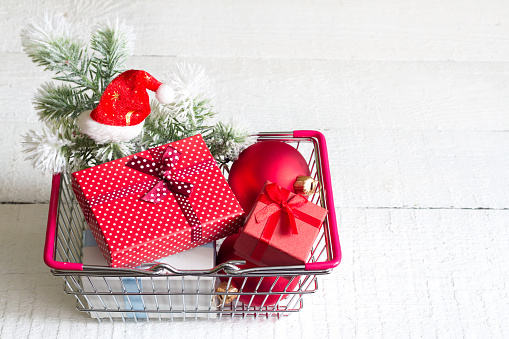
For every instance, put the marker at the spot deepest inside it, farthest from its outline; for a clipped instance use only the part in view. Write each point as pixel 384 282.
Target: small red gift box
pixel 281 228
pixel 157 202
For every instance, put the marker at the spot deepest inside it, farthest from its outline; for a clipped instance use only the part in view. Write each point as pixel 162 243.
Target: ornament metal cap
pixel 227 298
pixel 306 185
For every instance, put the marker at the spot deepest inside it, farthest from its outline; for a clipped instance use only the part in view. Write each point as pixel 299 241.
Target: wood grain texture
pixel 421 169
pixel 413 98
pixel 368 30
pixel 331 93
pixel 401 169
pixel 398 109
pixel 405 273
pixel 423 273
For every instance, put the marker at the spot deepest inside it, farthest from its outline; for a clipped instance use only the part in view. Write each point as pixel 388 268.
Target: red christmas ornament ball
pixel 267 160
pixel 225 254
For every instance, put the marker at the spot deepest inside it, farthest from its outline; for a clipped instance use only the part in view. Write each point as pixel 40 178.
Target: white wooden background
pixel 413 97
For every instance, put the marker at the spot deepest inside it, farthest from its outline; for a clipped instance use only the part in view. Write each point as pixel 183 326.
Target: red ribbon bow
pixel 170 182
pixel 164 170
pixel 277 202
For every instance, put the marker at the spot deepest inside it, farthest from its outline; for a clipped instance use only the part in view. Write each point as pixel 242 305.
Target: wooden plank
pixel 471 30
pixel 386 168
pixel 372 112
pixel 292 94
pixel 419 169
pixel 422 273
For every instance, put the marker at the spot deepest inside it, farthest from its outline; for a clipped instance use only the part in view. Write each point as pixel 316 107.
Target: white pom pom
pixel 165 94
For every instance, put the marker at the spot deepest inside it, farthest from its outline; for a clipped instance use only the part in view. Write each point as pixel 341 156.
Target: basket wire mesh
pixel 107 293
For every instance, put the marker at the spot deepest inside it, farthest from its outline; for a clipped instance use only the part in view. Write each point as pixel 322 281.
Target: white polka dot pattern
pixel 130 231
pixel 145 166
pixel 202 166
pixel 191 216
pixel 169 182
pixel 181 187
pixel 123 192
pixel 157 193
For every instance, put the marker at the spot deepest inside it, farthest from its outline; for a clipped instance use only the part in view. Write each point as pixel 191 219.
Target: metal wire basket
pixel 161 292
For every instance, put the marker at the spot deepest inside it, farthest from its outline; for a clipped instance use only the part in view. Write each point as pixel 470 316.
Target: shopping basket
pixel 161 292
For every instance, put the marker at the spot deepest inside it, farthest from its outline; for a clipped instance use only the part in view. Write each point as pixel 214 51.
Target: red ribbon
pixel 277 203
pixel 170 183
pixel 164 170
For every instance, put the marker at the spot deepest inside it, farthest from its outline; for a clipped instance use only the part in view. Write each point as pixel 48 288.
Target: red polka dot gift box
pixel 157 202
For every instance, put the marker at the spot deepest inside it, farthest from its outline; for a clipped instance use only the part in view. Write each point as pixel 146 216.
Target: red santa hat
pixel 123 107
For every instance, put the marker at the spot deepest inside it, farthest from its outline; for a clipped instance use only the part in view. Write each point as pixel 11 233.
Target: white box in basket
pixel 109 295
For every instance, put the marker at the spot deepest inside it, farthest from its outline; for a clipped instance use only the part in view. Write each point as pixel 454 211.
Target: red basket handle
pixel 51 230
pixel 327 187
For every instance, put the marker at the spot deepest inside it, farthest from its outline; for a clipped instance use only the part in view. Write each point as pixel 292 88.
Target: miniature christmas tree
pixel 84 72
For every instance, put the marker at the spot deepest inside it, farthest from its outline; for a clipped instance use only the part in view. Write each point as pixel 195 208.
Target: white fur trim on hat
pixel 165 94
pixel 102 133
